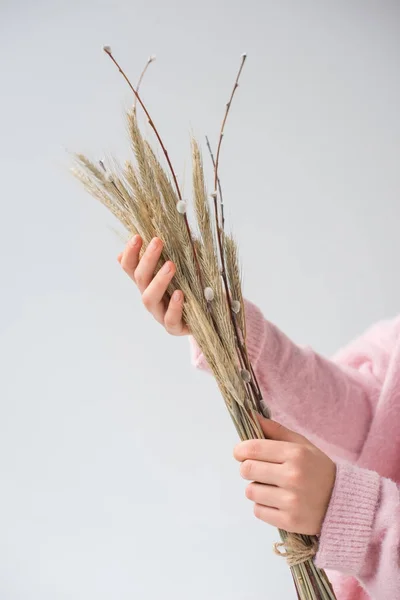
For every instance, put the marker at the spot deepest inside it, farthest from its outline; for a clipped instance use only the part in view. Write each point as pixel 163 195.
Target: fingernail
pixel 134 240
pixel 167 267
pixel 176 296
pixel 153 244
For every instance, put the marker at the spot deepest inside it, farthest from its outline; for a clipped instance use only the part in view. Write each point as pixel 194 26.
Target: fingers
pixel 141 271
pixel 153 295
pixel 267 495
pixel 129 258
pixel 273 516
pixel 267 450
pixel 144 271
pixel 262 472
pixel 276 431
pixel 153 287
pixel 173 319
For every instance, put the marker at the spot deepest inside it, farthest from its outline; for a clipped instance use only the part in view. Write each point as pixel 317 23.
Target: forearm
pixel 319 396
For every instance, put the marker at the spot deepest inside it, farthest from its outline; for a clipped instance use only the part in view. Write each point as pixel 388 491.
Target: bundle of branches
pixel 144 195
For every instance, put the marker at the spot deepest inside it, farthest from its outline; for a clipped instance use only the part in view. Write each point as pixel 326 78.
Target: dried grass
pixel 143 195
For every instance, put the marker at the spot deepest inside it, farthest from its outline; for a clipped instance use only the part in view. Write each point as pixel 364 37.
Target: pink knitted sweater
pixel 350 408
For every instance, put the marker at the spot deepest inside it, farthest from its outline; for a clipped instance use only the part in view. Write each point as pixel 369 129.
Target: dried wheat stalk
pixel 146 198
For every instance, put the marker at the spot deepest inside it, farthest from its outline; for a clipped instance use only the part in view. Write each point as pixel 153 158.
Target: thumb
pixel 275 431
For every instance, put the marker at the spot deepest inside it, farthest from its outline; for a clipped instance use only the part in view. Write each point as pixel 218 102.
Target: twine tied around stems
pixel 297 550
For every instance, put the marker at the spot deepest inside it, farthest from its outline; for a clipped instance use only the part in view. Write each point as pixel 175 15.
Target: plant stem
pixel 148 63
pixel 107 50
pixel 221 135
pixel 151 123
pixel 303 575
pixel 241 348
pixel 219 183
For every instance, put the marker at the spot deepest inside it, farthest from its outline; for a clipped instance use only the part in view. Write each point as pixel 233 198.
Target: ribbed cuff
pixel 198 359
pixel 255 325
pixel 255 331
pixel 347 528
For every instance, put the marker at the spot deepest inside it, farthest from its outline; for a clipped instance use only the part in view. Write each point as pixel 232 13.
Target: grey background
pixel 116 470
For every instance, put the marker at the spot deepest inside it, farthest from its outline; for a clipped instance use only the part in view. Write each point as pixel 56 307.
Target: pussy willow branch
pixel 143 73
pixel 221 135
pixel 241 348
pixel 312 577
pixel 108 51
pixel 219 183
pixel 215 193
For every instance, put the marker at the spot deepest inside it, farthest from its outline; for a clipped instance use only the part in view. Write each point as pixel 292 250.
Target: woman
pixel 337 474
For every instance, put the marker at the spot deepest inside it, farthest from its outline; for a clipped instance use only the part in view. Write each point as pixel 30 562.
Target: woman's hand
pixel 153 287
pixel 292 480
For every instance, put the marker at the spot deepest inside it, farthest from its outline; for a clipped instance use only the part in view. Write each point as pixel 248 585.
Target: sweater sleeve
pixel 360 535
pixel 328 400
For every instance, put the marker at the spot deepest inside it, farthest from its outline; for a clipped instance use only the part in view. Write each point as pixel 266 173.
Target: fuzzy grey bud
pixel 209 294
pixel 181 207
pixel 265 410
pixel 107 49
pixel 236 306
pixel 245 375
